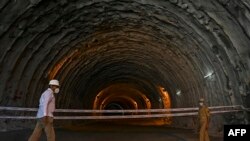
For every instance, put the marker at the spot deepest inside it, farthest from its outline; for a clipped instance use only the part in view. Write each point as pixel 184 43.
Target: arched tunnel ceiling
pixel 90 45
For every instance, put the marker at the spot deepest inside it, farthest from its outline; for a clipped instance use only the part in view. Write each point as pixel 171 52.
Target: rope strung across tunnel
pixel 246 109
pixel 118 111
pixel 118 117
pixel 182 112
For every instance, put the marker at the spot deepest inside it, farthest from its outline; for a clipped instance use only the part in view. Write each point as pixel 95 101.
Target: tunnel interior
pixel 127 54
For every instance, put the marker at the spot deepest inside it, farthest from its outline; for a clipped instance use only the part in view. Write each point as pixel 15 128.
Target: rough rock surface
pixel 93 44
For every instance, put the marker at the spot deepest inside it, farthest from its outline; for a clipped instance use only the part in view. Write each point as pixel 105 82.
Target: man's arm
pixel 47 98
pixel 208 116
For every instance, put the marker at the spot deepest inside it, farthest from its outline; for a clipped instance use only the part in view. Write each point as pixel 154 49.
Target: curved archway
pixel 184 46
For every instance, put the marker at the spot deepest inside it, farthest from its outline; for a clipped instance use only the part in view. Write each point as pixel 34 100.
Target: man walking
pixel 45 113
pixel 204 118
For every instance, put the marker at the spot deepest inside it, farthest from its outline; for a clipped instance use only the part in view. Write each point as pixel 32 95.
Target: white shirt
pixel 46 104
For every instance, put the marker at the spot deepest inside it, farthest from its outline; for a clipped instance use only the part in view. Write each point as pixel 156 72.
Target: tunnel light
pixel 159 99
pixel 209 74
pixel 178 92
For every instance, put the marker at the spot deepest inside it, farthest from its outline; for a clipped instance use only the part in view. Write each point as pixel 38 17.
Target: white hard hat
pixel 54 82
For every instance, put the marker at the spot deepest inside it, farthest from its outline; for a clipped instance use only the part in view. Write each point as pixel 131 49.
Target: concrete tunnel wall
pixel 141 45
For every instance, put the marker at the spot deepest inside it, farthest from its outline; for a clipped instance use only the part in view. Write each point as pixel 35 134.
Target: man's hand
pixel 208 120
pixel 207 126
pixel 45 119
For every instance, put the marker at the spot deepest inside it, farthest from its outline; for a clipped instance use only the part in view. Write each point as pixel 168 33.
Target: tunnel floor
pixel 102 132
